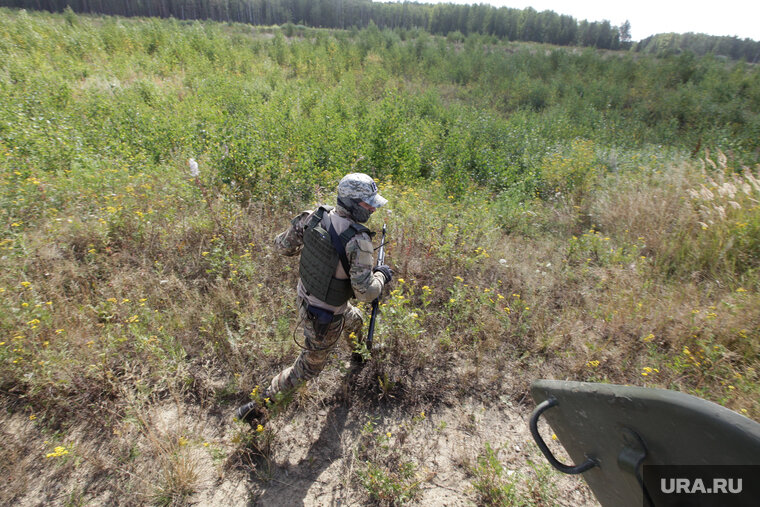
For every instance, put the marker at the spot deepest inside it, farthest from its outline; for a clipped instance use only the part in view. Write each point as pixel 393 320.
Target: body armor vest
pixel 319 260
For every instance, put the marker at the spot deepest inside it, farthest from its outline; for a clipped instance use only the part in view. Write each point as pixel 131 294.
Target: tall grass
pixel 532 236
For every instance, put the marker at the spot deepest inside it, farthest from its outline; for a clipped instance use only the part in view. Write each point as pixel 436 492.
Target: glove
pixel 386 271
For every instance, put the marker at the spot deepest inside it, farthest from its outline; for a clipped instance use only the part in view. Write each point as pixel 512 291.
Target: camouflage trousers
pixel 317 346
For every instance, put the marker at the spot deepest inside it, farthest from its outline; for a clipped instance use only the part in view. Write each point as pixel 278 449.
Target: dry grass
pixel 197 309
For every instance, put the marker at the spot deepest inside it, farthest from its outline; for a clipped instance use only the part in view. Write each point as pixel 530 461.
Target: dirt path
pixel 315 455
pixel 315 461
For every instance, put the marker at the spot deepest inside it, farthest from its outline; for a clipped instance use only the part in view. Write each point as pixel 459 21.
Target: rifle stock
pixel 376 302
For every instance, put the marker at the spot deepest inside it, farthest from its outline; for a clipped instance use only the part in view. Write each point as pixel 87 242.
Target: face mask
pixel 360 214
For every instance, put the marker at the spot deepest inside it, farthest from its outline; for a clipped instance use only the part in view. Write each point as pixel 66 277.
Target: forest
pixel 443 19
pixel 503 23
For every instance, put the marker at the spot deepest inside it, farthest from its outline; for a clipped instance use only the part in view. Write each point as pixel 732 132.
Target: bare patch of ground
pixel 319 451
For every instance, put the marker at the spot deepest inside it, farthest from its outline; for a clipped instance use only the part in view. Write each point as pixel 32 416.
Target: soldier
pixel 336 264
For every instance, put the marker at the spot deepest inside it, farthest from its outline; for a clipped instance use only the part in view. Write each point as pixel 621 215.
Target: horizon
pixel 647 17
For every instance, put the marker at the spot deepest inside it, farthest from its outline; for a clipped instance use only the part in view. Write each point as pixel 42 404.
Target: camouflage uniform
pixel 348 319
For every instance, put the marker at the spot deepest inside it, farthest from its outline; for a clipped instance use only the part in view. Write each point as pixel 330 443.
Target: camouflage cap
pixel 362 187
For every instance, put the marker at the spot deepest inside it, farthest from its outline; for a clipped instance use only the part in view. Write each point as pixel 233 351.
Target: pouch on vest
pixel 321 315
pixel 321 320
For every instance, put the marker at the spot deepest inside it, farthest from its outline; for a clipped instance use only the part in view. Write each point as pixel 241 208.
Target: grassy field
pixel 553 214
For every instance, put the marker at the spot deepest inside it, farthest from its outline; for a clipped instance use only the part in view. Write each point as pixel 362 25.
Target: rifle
pixel 376 302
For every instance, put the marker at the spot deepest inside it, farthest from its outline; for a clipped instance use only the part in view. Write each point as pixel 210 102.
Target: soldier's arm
pixel 290 241
pixel 367 285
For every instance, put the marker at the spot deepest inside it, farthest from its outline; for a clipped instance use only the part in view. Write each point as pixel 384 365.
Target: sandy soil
pixel 311 455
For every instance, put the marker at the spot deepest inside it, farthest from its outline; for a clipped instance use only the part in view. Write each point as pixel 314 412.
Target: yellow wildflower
pixel 57 452
pixel 259 428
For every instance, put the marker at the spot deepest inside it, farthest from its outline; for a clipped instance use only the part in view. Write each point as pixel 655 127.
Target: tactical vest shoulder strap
pixel 360 228
pixel 340 247
pixel 316 218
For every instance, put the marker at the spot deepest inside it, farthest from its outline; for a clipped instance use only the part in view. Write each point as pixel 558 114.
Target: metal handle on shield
pixel 567 469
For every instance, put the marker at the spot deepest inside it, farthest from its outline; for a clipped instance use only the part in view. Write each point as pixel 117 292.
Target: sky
pixel 739 18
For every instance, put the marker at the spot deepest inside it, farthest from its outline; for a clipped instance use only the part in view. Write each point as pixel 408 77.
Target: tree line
pixel 443 19
pixel 700 44
pixel 504 23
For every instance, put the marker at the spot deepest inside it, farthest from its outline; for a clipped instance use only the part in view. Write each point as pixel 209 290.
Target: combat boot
pixel 251 412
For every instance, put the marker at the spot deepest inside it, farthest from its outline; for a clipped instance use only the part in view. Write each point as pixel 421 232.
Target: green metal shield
pixel 624 427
